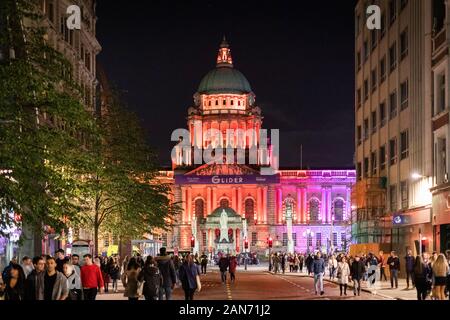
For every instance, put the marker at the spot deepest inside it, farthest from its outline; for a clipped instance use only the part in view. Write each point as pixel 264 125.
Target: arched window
pixel 224 203
pixel 314 209
pixel 199 208
pixel 339 210
pixel 250 211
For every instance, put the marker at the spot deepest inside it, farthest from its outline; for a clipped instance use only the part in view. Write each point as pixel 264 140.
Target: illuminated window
pixel 232 102
pixel 314 208
pixel 239 102
pixel 318 240
pixel 254 238
pixel 250 211
pixel 339 210
pixel 217 102
pixel 209 103
pixel 199 208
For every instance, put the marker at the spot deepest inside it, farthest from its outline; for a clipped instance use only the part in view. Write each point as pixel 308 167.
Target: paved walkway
pixel 383 287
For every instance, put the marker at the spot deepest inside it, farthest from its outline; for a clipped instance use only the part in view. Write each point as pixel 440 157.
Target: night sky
pixel 298 57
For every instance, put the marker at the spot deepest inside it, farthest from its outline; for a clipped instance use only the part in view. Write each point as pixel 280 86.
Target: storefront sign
pixel 227 179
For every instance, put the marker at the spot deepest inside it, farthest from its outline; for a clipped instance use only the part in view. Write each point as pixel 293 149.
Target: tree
pixel 45 130
pixel 123 193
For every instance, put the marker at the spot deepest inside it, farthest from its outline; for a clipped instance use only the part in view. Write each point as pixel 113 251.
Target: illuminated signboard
pixel 227 179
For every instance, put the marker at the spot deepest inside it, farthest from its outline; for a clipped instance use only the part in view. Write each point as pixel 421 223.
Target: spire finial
pixel 224 57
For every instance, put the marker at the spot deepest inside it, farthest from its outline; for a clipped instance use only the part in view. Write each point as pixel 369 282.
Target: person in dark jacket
pixel 152 279
pixel 318 268
pixel 204 262
pixel 60 260
pixel 409 267
pixel 224 263
pixel 422 275
pixel 114 272
pixel 13 288
pixel 308 261
pixel 188 277
pixel 32 281
pixel 357 271
pixel 394 267
pixel 167 270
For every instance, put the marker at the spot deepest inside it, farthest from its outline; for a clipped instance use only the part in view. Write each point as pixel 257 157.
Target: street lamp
pixel 270 242
pixel 331 234
pixel 308 234
pixel 245 250
pixel 416 175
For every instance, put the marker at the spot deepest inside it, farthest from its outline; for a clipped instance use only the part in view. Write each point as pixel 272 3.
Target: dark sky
pixel 297 56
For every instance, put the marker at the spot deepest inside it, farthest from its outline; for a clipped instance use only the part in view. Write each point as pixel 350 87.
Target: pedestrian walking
pixel 301 262
pixel 422 277
pixel 283 262
pixel 276 262
pixel 75 260
pixel 224 263
pixel 53 284
pixel 130 280
pixel 91 278
pixel 357 271
pixel 440 272
pixel 73 282
pixel 167 270
pixel 27 265
pixel 232 269
pixel 114 273
pixel 332 266
pixel 152 279
pixel 60 260
pixel 13 289
pixel 309 260
pixel 394 268
pixel 31 283
pixel 104 267
pixel 204 262
pixel 189 277
pixel 343 275
pixel 318 268
pixel 409 267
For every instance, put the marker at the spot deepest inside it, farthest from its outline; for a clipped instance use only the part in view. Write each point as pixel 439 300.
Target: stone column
pixel 234 198
pixel 279 204
pixel 258 203
pixel 214 198
pixel 189 204
pixel 323 205
pixel 239 201
pixel 183 202
pixel 329 204
pixel 208 201
pixel 299 205
pixel 304 205
pixel 264 211
pixel 348 204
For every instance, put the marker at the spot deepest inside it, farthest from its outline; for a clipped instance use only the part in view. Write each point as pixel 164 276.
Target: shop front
pixel 441 217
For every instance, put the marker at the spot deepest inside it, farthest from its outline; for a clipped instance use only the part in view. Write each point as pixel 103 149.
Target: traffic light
pixel 246 244
pixel 270 242
pixel 192 242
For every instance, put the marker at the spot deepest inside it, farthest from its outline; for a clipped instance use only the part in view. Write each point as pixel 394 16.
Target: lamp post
pixel 308 234
pixel 269 241
pixel 331 234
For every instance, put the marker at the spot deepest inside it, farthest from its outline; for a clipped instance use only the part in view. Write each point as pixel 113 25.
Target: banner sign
pixel 227 179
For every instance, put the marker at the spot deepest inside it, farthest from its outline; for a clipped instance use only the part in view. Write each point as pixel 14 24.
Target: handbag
pixel 199 284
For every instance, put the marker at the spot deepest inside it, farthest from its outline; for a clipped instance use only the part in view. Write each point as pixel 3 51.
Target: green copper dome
pixel 230 212
pixel 224 78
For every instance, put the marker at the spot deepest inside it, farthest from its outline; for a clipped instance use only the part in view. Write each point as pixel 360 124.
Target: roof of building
pixel 230 212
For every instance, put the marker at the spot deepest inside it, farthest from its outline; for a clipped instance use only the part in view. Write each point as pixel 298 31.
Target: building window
pixel 338 210
pixel 373 39
pixel 373 163
pixel 294 239
pixel 393 57
pixel 50 11
pixel 393 197
pixel 318 240
pixel 359 135
pixel 404 44
pixel 250 211
pixel 224 203
pixel 383 25
pixel 199 208
pixel 366 167
pixel 366 90
pixel 382 70
pixel 404 194
pixel 204 242
pixel 366 129
pixel 366 50
pixel 373 80
pixel 441 94
pixel 358 98
pixel 343 240
pixel 285 239
pixel 373 121
pixel 209 103
pixel 217 102
pixel 382 158
pixel 254 239
pixel 404 145
pixel 441 160
pixel 335 242
pixel 393 105
pixel 393 151
pixel 358 171
pixel 309 241
pixel 358 60
pixel 404 95
pixel 314 209
pixel 392 11
pixel 403 4
pixel 383 117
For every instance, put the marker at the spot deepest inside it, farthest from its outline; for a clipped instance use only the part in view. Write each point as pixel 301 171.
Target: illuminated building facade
pixel 316 203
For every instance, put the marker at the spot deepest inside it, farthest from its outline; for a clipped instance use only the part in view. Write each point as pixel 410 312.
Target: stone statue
pixel 223 226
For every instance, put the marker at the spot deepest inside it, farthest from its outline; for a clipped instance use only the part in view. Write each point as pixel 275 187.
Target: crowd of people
pixel 428 274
